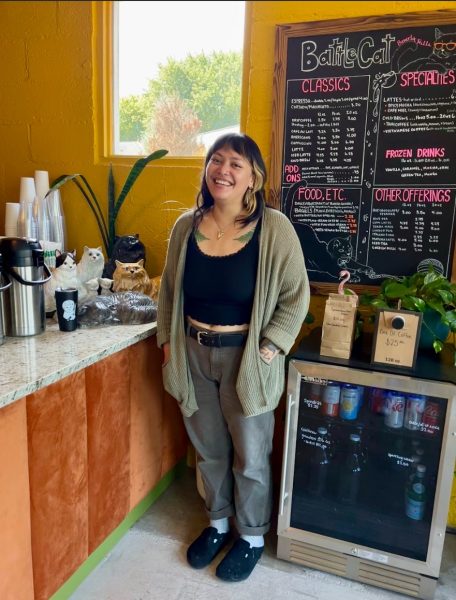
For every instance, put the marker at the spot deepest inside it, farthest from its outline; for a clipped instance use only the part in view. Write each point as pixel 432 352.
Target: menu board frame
pixel 286 177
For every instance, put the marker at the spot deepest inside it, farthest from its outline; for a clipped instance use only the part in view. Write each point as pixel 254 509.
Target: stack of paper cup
pixel 27 190
pixel 41 211
pixel 41 183
pixel 57 218
pixel 11 217
pixel 26 223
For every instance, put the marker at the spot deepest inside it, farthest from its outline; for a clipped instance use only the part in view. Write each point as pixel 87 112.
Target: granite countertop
pixel 31 363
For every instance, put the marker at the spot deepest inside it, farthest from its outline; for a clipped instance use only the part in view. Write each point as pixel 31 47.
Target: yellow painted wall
pixel 47 121
pixel 48 113
pixel 48 110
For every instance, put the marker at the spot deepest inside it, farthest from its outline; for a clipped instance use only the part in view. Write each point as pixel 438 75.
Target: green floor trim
pixel 98 555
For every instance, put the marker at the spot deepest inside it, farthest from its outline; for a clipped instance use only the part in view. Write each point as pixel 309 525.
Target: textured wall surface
pixel 48 112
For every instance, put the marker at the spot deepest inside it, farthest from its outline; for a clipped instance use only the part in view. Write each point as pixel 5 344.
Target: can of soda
pixel 377 401
pixel 331 398
pixel 414 411
pixel 360 389
pixel 394 409
pixel 349 402
pixel 314 392
pixel 431 418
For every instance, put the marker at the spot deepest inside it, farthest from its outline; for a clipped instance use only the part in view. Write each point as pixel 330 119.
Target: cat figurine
pixel 127 249
pixel 438 59
pixel 119 308
pixel 92 287
pixel 131 277
pixel 64 275
pixel 155 283
pixel 91 264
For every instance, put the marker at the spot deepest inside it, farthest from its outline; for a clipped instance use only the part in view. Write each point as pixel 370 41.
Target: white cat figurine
pixel 91 264
pixel 65 276
pixel 91 287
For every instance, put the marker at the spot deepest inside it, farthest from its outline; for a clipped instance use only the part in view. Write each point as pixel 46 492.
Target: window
pixel 177 75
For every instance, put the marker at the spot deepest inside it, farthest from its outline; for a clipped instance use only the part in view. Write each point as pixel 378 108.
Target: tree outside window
pixel 186 99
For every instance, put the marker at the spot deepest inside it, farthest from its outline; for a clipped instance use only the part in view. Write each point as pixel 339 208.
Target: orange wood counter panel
pixel 91 434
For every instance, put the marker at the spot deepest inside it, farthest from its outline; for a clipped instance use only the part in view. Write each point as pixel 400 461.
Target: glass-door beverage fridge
pixel 367 474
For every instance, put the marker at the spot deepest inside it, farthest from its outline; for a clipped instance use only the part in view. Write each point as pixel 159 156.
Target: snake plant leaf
pixel 60 181
pixel 136 170
pixel 98 215
pixel 94 198
pixel 57 183
pixel 111 218
pixel 90 198
pixel 107 226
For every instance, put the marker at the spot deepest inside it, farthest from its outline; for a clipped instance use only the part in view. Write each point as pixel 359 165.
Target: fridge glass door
pixel 366 464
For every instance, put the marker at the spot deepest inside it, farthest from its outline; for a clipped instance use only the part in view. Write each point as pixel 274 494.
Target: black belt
pixel 214 339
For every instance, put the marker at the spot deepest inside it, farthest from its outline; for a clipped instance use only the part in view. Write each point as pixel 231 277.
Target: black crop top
pixel 219 290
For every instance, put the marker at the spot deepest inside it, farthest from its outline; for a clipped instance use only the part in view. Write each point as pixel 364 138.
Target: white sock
pixel 255 541
pixel 221 525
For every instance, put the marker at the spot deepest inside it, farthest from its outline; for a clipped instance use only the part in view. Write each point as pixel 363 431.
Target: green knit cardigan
pixel 280 305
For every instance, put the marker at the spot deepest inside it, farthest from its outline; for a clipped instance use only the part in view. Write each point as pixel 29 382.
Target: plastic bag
pixel 121 308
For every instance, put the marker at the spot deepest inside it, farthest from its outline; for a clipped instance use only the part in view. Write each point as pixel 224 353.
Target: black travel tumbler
pixel 66 301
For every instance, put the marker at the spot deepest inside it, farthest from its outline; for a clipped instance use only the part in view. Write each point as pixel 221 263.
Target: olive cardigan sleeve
pixel 293 290
pixel 168 289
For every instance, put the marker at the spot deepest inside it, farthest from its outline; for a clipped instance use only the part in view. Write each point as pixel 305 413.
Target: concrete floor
pixel 149 564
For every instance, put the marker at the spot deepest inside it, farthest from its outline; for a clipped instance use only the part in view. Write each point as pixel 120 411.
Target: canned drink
pixel 314 392
pixel 414 411
pixel 431 418
pixel 331 398
pixel 377 401
pixel 394 410
pixel 360 389
pixel 349 402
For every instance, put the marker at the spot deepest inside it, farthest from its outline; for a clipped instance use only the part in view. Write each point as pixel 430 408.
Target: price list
pixel 324 130
pixel 334 210
pixel 417 125
pixel 411 227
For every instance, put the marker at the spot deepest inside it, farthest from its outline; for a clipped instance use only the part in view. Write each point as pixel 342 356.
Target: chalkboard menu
pixel 364 146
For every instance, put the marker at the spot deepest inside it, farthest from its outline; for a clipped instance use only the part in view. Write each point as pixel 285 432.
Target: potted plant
pixel 107 226
pixel 428 292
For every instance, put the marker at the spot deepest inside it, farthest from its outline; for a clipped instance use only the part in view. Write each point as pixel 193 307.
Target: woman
pixel 233 296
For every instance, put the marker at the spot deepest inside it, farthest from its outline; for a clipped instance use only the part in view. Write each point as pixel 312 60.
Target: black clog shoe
pixel 239 561
pixel 206 547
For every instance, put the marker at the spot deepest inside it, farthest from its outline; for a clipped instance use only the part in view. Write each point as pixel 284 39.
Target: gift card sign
pixel 396 337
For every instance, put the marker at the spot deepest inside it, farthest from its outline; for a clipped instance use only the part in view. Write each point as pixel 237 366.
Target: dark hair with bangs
pixel 248 149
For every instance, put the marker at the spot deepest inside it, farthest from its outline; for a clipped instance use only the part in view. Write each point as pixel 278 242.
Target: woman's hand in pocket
pixel 268 351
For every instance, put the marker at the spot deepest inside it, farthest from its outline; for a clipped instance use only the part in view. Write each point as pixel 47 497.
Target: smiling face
pixel 228 175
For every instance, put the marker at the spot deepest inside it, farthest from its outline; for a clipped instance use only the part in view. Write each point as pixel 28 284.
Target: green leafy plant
pixel 107 226
pixel 425 292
